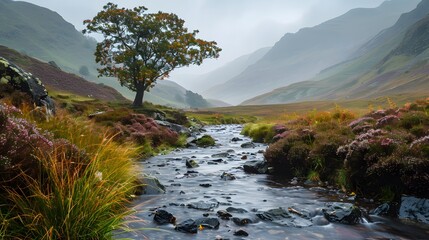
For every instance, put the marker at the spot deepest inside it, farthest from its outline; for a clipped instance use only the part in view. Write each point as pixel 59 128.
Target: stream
pixel 248 202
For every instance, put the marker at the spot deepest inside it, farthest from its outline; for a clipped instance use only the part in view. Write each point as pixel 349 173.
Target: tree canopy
pixel 140 48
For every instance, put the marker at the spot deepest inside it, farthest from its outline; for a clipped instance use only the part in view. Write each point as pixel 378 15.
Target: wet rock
pixel 205 185
pixel 25 82
pixel 149 185
pixel 236 210
pixel 381 210
pixel 283 217
pixel 345 213
pixel 188 226
pixel 174 127
pixel 210 223
pixel 201 205
pixel 244 157
pixel 230 151
pixel 256 166
pixel 415 209
pixel 227 176
pixel 217 160
pixel 241 221
pixel 163 217
pixel 191 164
pixel 205 141
pixel 236 139
pixel 241 233
pixel 224 214
pixel 220 155
pixel 248 145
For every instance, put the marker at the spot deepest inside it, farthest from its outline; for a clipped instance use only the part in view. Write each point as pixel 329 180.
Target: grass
pixel 78 194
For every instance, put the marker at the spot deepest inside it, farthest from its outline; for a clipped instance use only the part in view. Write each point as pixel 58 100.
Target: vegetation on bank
pixel 382 154
pixel 71 176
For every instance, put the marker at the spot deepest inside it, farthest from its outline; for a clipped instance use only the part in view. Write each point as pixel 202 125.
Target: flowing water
pixel 250 192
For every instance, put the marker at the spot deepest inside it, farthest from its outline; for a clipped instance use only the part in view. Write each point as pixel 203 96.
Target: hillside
pixel 394 62
pixel 302 55
pixel 43 34
pixel 204 82
pixel 55 79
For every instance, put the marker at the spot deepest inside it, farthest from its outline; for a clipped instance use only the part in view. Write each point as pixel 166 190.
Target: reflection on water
pixel 253 193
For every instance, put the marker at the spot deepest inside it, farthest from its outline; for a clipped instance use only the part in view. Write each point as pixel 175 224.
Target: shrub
pixel 412 119
pixel 263 133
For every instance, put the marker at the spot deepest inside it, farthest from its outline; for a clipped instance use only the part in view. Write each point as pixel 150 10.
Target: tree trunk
pixel 138 100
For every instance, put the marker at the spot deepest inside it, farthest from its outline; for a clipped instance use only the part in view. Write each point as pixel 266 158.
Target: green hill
pixel 394 62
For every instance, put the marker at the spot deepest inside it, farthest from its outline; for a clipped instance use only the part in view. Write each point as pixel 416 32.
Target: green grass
pixel 262 133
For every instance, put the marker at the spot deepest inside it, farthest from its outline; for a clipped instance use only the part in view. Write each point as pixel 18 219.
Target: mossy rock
pixel 206 141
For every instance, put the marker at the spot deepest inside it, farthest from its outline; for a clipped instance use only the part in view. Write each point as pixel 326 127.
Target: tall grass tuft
pixel 83 186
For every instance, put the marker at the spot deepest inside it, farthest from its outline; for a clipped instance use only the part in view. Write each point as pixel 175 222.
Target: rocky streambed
pixel 209 195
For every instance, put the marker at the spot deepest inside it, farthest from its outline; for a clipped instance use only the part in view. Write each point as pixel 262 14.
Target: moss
pixel 206 141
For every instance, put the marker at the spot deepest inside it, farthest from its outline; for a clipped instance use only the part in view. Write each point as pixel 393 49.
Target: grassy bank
pixel 380 154
pixel 71 176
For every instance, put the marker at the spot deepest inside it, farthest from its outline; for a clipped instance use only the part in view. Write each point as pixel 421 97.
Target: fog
pixel 238 26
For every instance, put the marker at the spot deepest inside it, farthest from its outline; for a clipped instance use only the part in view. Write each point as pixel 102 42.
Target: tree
pixel 140 48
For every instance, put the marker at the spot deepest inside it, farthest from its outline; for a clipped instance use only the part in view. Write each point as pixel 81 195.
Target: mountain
pixel 201 83
pixel 43 34
pixel 302 55
pixel 394 62
pixel 55 79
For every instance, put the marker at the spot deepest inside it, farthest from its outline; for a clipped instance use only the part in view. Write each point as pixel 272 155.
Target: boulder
pixel 241 233
pixel 256 166
pixel 283 217
pixel 25 82
pixel 188 226
pixel 345 213
pixel 248 145
pixel 227 176
pixel 220 155
pixel 210 223
pixel 147 185
pixel 415 209
pixel 241 221
pixel 174 127
pixel 163 217
pixel 190 163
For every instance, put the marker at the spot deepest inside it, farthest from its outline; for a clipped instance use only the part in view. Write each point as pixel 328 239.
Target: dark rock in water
pixel 224 214
pixel 283 217
pixel 191 164
pixel 227 176
pixel 220 155
pixel 206 185
pixel 25 82
pixel 241 233
pixel 164 217
pixel 415 209
pixel 248 145
pixel 188 226
pixel 210 223
pixel 174 127
pixel 149 186
pixel 244 157
pixel 217 160
pixel 256 166
pixel 236 210
pixel 236 139
pixel 381 210
pixel 345 213
pixel 241 221
pixel 206 206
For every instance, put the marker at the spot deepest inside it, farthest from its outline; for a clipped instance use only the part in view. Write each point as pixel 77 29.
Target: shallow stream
pixel 246 196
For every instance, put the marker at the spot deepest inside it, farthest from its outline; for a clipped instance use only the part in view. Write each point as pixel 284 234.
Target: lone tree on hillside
pixel 140 48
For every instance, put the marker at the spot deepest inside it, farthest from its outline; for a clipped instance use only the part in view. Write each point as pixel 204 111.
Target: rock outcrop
pixel 20 80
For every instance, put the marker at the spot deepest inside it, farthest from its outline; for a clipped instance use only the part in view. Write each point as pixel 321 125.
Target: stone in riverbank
pixel 248 145
pixel 188 226
pixel 210 223
pixel 415 209
pixel 256 166
pixel 190 163
pixel 163 217
pixel 283 217
pixel 345 213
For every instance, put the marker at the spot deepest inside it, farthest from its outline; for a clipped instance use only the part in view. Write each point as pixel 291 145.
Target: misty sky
pixel 239 26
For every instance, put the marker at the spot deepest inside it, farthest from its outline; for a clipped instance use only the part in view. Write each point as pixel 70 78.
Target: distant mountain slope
pixel 55 79
pixel 302 55
pixel 43 34
pixel 394 62
pixel 201 83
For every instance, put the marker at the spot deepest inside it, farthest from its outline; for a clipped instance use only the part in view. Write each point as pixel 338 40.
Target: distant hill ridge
pixel 396 61
pixel 300 56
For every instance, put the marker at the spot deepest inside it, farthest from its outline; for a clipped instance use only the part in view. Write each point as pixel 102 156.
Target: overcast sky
pixel 238 26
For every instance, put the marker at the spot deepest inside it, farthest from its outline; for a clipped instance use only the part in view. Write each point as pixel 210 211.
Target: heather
pixel 61 177
pixel 382 154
